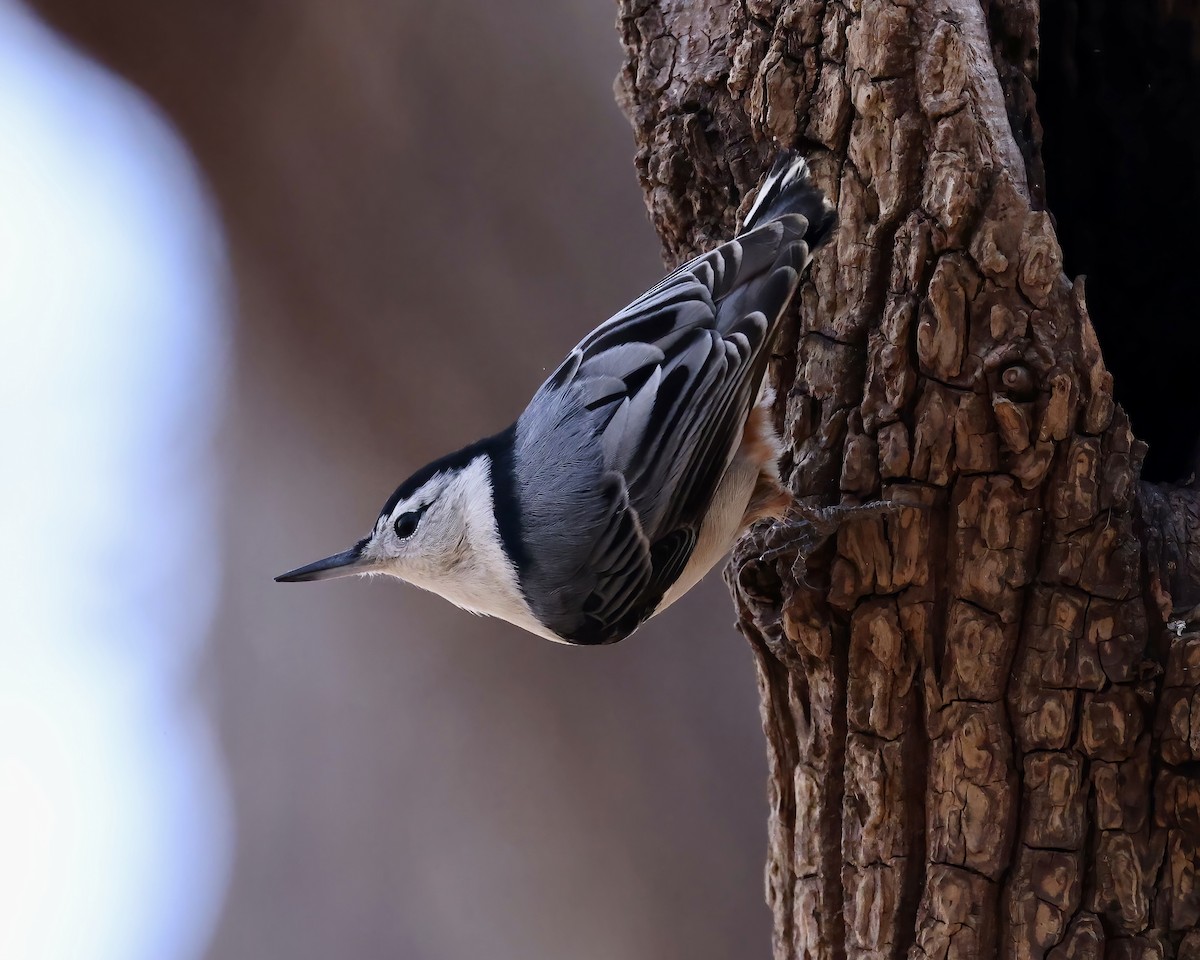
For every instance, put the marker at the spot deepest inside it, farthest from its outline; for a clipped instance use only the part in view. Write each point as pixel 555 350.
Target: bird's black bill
pixel 344 564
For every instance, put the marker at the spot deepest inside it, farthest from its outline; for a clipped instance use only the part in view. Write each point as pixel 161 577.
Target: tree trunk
pixel 983 723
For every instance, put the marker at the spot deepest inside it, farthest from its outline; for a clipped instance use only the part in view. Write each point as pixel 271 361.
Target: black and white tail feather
pixel 788 188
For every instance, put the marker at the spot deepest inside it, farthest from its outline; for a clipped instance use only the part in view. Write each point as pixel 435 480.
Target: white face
pixel 447 542
pixel 442 538
pixel 424 538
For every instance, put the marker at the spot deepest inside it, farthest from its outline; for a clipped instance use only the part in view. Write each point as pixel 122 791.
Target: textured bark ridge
pixel 983 721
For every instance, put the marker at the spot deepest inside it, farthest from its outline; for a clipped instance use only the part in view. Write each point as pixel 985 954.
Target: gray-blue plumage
pixel 619 453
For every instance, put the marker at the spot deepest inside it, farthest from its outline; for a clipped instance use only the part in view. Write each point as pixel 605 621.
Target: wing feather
pixel 655 398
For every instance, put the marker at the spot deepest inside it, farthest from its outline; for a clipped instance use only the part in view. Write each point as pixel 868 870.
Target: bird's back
pixel 617 457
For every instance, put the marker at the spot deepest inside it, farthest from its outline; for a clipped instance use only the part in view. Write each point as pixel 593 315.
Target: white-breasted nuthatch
pixel 636 465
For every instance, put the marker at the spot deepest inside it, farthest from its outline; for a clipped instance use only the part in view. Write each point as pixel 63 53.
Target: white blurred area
pixel 114 829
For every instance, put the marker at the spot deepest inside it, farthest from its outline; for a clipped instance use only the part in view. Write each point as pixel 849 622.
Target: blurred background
pixel 258 262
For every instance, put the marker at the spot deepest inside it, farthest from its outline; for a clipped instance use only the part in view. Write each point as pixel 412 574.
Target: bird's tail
pixel 788 188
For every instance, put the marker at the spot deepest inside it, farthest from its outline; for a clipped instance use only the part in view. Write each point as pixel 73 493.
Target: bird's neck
pixel 483 579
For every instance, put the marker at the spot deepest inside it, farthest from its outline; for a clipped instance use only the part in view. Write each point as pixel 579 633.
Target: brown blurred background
pixel 424 206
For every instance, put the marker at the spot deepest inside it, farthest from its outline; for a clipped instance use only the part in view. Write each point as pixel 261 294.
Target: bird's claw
pixel 809 528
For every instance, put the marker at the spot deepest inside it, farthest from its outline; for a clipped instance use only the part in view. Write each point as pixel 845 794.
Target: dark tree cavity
pixel 1118 93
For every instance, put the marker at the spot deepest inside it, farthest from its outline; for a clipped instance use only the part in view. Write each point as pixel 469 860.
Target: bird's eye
pixel 406 524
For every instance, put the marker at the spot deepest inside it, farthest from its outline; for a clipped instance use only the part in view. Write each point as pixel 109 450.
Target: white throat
pixel 481 578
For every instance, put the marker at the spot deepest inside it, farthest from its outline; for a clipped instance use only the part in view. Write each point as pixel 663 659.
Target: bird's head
pixel 425 533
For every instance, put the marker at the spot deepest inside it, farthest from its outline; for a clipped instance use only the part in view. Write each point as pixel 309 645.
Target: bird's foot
pixel 809 528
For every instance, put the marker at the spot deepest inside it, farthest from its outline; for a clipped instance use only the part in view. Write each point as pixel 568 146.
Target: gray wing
pixel 649 408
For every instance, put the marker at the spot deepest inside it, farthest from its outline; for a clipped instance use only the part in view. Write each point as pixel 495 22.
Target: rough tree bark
pixel 984 724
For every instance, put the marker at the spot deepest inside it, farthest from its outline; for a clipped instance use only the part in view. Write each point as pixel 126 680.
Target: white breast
pixel 720 529
pixel 756 459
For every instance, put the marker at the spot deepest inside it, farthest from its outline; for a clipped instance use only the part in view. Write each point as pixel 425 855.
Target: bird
pixel 638 463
